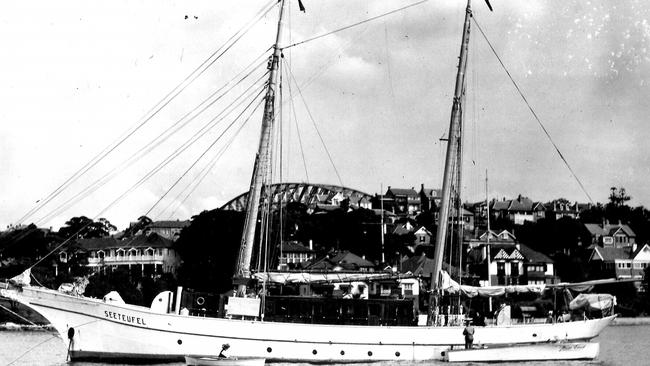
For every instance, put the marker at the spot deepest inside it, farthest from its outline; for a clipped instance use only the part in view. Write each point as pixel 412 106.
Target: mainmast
pixel 453 148
pixel 261 168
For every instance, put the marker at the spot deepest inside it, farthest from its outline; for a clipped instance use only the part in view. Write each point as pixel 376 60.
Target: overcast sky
pixel 76 75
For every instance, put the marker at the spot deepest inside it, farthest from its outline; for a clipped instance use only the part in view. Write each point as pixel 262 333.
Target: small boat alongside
pixel 221 361
pixel 531 352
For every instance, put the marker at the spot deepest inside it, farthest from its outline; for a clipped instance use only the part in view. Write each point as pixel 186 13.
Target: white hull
pixel 109 331
pixel 532 352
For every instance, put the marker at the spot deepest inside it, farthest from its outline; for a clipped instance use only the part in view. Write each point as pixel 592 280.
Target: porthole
pixel 314 352
pixel 397 354
pixel 369 353
pixel 179 341
pixel 200 301
pixel 534 334
pixel 269 349
pixel 342 353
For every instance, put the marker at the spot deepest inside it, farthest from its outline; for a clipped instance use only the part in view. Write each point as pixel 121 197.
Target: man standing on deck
pixel 468 332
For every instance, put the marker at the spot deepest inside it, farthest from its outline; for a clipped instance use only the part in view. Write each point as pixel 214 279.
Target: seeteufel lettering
pixel 124 318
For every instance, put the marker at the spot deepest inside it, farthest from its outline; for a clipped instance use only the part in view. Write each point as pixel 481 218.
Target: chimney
pixel 634 248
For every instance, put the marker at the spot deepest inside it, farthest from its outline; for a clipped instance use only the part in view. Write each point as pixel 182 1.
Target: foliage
pixel 618 197
pixel 20 248
pixel 209 247
pixel 83 227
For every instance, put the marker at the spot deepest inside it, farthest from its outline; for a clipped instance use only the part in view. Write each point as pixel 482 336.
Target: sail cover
pixel 593 302
pixel 325 277
pixel 453 287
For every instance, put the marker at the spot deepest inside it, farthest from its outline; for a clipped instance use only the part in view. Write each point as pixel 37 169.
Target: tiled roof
pixel 500 205
pixel 403 191
pixel 169 224
pixel 423 266
pixel 345 259
pixel 610 254
pixel 594 229
pixel 521 204
pixel 152 240
pixel 295 247
pixel 534 256
pixel 609 229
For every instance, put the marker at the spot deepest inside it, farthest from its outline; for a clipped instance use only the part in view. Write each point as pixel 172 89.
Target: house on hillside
pixel 170 229
pixel 518 210
pixel 342 261
pixel 423 236
pixel 620 262
pixel 292 254
pixel 406 200
pixel 150 254
pixel 430 198
pixel 509 262
pixel 611 236
pixel 562 208
pixel 491 236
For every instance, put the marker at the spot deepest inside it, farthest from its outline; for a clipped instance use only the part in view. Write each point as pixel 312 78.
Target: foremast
pixel 261 168
pixel 451 165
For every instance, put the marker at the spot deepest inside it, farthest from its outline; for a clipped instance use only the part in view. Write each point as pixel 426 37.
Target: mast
pixel 381 204
pixel 487 245
pixel 451 158
pixel 261 168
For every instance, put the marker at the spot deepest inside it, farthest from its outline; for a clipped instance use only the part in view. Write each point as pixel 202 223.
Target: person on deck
pixel 468 332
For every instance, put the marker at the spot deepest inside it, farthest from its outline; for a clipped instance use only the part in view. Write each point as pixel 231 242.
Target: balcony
pixel 127 259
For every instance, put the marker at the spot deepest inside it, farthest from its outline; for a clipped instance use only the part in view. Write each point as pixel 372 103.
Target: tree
pixel 140 224
pixel 83 227
pixel 618 197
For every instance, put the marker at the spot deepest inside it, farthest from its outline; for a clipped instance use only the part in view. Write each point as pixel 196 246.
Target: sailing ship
pixel 98 329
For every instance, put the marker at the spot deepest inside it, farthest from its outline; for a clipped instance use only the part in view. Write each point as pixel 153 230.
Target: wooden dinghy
pixel 526 352
pixel 220 361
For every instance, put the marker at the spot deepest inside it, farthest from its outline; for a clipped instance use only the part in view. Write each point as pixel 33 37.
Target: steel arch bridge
pixel 307 194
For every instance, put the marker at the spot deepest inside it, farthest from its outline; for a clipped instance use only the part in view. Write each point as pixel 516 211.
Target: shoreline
pixel 642 320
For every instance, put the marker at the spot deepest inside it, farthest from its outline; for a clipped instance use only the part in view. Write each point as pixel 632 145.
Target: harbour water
pixel 619 346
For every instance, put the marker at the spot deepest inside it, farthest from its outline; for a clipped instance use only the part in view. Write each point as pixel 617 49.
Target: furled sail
pixel 453 287
pixel 326 277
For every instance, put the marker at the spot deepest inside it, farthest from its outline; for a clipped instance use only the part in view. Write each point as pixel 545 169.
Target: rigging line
pixel 208 167
pixel 144 119
pixel 21 317
pixel 557 149
pixel 295 121
pixel 151 145
pixel 171 157
pixel 206 151
pixel 316 127
pixel 98 184
pixel 355 24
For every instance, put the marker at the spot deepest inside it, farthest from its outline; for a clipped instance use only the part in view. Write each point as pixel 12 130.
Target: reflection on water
pixel 619 345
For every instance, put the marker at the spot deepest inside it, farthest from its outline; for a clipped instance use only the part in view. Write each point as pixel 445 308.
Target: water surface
pixel 619 346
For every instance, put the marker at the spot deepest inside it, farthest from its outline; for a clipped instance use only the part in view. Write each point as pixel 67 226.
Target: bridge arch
pixel 308 194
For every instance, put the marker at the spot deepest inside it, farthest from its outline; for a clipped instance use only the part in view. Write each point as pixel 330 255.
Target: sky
pixel 76 76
